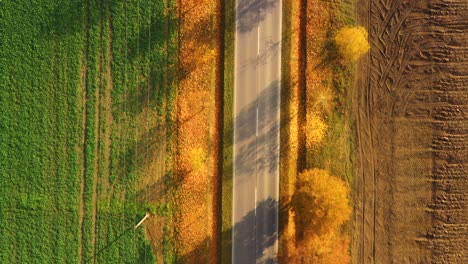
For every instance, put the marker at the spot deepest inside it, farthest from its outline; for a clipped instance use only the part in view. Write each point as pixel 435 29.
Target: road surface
pixel 256 131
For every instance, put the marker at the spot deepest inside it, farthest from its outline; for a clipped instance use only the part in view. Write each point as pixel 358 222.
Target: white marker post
pixel 142 220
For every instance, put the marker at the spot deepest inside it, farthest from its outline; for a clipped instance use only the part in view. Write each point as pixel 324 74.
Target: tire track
pixel 99 126
pixel 84 101
pixel 411 120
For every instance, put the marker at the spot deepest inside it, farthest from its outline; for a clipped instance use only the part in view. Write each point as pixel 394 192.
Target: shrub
pixel 351 42
pixel 321 207
pixel 329 248
pixel 323 99
pixel 315 129
pixel 320 201
pixel 197 158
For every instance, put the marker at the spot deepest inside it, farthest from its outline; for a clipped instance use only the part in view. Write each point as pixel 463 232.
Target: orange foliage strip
pixel 196 129
pixel 291 129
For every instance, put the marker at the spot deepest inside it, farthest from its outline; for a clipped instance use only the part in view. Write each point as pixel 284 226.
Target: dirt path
pixel 412 146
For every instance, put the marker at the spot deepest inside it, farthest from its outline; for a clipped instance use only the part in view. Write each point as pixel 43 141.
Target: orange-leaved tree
pixel 329 248
pixel 320 201
pixel 352 42
pixel 321 207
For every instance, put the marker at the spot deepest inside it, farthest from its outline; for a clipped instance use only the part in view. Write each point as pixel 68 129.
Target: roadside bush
pixel 323 99
pixel 329 248
pixel 315 129
pixel 351 42
pixel 321 201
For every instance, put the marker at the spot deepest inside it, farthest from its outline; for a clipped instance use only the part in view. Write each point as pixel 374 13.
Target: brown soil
pixel 411 113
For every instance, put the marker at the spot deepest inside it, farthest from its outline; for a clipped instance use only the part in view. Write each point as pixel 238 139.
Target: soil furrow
pixel 411 124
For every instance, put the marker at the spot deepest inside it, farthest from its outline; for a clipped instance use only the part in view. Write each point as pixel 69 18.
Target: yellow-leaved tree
pixel 351 42
pixel 329 248
pixel 321 206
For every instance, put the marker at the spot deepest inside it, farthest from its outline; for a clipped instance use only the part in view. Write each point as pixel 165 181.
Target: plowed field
pixel 412 120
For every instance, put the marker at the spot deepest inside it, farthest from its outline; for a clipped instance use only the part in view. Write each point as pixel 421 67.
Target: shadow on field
pixel 140 153
pixel 143 256
pixel 143 49
pixel 109 245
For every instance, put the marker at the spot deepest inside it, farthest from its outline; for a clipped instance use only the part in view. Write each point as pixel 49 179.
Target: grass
pixel 40 130
pixel 335 152
pixel 143 97
pixel 289 125
pixel 228 137
pixel 58 130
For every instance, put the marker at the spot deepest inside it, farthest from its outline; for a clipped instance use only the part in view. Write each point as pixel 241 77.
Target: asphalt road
pixel 256 131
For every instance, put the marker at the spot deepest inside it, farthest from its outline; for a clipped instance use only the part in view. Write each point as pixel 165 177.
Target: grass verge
pixel 227 169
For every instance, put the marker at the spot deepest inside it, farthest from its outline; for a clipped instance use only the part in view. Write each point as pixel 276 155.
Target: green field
pixel 84 86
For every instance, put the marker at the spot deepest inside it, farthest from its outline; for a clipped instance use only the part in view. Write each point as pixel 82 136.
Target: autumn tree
pixel 320 201
pixel 328 248
pixel 321 207
pixel 351 42
pixel 315 129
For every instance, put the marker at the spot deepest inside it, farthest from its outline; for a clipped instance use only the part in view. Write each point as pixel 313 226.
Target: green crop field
pixel 84 87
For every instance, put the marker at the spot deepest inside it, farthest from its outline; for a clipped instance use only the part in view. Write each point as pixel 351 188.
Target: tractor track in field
pixel 99 126
pixel 84 101
pixel 412 121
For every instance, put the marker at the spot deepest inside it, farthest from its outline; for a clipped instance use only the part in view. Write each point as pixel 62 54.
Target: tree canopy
pixel 351 42
pixel 321 201
pixel 321 207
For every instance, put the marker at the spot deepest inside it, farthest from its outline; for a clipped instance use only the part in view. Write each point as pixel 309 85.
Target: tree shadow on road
pixel 250 242
pixel 266 140
pixel 251 12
